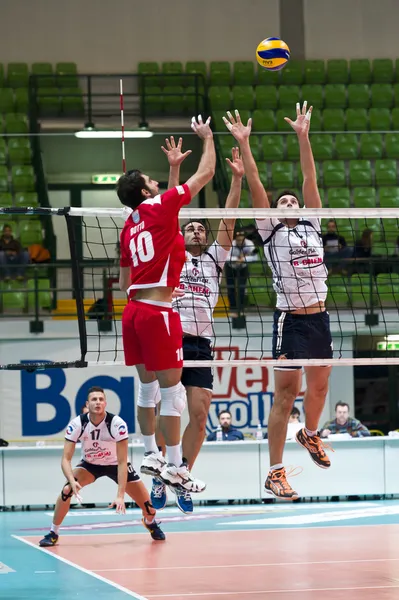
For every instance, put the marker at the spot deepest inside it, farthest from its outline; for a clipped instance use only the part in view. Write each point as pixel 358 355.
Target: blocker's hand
pixel 203 130
pixel 119 503
pixel 236 165
pixel 302 124
pixel 237 129
pixel 178 293
pixel 173 152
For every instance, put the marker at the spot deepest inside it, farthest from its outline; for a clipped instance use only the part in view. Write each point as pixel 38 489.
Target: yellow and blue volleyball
pixel 273 54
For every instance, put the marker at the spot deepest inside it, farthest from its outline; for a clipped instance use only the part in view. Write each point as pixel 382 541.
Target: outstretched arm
pixel 301 126
pixel 175 159
pixel 226 226
pixel 207 165
pixel 241 133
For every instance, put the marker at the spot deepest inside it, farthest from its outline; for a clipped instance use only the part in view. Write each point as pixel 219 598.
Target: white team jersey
pixel 200 280
pixel 296 258
pixel 98 442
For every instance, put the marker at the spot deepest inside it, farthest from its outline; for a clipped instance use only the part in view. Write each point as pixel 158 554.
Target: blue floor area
pixel 29 573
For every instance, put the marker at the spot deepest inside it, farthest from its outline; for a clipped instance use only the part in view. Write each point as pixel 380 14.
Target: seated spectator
pixel 344 424
pixel 294 424
pixel 335 247
pixel 242 252
pixel 230 433
pixel 363 250
pixel 12 253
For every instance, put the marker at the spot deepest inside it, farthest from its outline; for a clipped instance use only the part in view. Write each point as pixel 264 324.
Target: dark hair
pixel 222 412
pixel 129 188
pixel 285 193
pixel 341 404
pixel 203 222
pixel 295 411
pixel 95 388
pixel 83 408
pixel 7 225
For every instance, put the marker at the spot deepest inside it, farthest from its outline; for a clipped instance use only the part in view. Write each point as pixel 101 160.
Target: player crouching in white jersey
pixel 104 439
pixel 195 301
pixel 294 251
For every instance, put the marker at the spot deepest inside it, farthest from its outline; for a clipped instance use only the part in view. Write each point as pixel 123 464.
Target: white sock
pixel 150 444
pixel 310 433
pixel 276 467
pixel 149 521
pixel 55 528
pixel 174 455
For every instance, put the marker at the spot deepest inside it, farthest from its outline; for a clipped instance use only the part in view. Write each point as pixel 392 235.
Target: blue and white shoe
pixel 158 494
pixel 184 502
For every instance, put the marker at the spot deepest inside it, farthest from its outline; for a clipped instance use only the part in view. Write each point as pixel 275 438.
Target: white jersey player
pixel 104 439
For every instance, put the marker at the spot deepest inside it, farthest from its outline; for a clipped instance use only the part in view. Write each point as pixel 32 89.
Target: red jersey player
pixel 152 258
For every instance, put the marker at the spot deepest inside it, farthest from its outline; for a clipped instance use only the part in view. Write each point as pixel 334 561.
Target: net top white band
pixel 252 362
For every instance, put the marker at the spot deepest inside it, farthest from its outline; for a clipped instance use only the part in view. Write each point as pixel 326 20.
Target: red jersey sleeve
pixel 125 257
pixel 175 198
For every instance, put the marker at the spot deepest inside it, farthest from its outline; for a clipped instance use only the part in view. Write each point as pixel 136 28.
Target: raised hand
pixel 302 124
pixel 202 129
pixel 238 130
pixel 173 152
pixel 236 165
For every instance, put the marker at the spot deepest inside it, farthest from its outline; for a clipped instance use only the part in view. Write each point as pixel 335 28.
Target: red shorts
pixel 152 336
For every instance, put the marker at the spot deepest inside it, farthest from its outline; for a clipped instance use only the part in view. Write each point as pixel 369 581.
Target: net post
pixel 36 326
pixel 78 288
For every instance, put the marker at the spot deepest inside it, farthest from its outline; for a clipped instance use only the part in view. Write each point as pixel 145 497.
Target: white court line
pixel 82 569
pixel 281 564
pixel 296 591
pixel 44 572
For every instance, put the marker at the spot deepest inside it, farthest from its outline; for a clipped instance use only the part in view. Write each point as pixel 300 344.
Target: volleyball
pixel 273 54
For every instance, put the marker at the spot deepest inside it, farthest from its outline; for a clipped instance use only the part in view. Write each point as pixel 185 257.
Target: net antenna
pixel 122 125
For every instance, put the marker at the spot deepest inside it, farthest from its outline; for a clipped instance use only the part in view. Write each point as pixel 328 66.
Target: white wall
pixel 351 28
pixel 103 36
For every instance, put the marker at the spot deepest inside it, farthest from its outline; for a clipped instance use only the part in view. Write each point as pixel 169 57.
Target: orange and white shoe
pixel 315 446
pixel 276 485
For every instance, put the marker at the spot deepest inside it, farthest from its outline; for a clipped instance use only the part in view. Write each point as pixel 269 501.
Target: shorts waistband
pixel 299 316
pixel 153 302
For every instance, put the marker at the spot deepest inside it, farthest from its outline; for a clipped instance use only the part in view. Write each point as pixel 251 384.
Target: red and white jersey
pixel 151 242
pixel 98 441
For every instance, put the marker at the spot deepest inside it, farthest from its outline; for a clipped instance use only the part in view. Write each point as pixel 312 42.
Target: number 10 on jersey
pixel 142 249
pixel 179 354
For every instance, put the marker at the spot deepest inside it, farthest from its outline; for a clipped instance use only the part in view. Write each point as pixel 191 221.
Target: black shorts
pixel 110 471
pixel 197 348
pixel 301 336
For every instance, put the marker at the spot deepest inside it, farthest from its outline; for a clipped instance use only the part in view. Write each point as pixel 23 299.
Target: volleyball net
pixel 361 262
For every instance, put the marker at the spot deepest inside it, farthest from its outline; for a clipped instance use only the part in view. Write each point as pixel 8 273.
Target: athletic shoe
pixel 153 463
pixel 184 502
pixel 315 446
pixel 155 530
pixel 181 479
pixel 276 485
pixel 49 540
pixel 158 494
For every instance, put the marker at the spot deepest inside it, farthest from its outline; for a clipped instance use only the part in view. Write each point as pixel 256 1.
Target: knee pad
pixel 149 394
pixel 173 401
pixel 64 496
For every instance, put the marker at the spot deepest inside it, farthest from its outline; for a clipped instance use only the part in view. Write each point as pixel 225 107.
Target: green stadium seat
pixel 333 119
pixel 67 74
pixel 174 100
pixel 23 178
pixel 150 71
pixel 373 224
pixel 396 94
pixel 386 249
pixel 338 295
pixel 387 294
pixel 194 100
pixel 389 197
pixel 43 75
pixel 265 77
pixel 19 150
pixel 220 97
pixel 337 71
pixel 243 97
pixel 49 101
pixel 263 173
pixel 6 199
pixel 316 120
pixel 379 119
pixel 315 72
pixel 314 95
pixel 273 147
pixel 389 229
pixel 322 146
pixel 13 298
pixel 153 100
pixel 362 294
pixel 371 145
pixel 392 145
pixel 245 201
pixel 282 125
pixel 266 97
pixel 3 152
pixel 292 74
pixel 360 70
pixel 263 120
pixel 220 73
pixel 358 95
pixel 360 173
pixel 4 185
pixel 347 228
pixel 299 175
pixel 381 95
pixel 260 292
pixel 243 72
pixel 292 147
pixel 21 100
pixel 227 142
pixel 383 71
pixel 386 172
pixel 194 68
pixel 335 95
pixel 172 74
pixel 364 197
pixel 44 293
pixel 30 232
pixel 395 119
pixel 346 146
pixel 334 173
pixel 16 123
pixel 254 142
pixel 26 199
pixel 289 95
pixel 6 100
pixel 356 119
pixel 339 198
pixel 282 175
pixel 17 75
pixel 72 102
pixel 2 78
